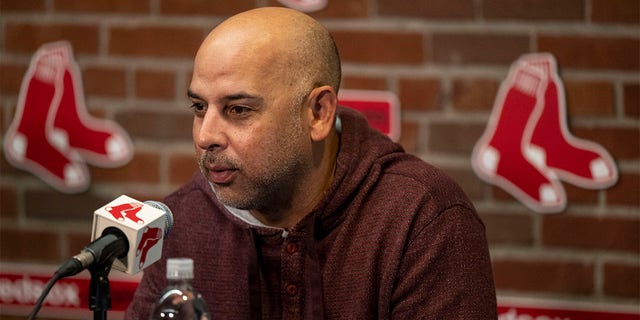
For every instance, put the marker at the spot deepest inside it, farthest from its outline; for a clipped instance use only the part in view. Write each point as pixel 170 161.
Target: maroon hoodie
pixel 393 238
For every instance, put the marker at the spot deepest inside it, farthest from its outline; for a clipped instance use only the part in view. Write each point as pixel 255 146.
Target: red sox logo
pixel 126 210
pixel 52 134
pixel 527 148
pixel 305 5
pixel 150 235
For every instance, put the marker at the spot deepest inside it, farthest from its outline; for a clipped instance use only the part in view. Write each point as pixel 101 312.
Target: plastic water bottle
pixel 180 301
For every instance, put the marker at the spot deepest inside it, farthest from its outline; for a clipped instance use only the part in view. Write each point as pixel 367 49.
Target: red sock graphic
pixel 579 162
pixel 126 210
pixel 27 144
pixel 500 157
pixel 100 142
pixel 52 134
pixel 150 237
pixel 305 5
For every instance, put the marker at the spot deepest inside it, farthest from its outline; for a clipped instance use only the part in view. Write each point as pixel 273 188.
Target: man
pixel 303 211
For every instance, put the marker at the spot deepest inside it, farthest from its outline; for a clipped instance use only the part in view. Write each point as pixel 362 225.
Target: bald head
pixel 289 41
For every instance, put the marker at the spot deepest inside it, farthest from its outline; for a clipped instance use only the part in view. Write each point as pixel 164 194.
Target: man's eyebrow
pixel 193 95
pixel 230 97
pixel 240 96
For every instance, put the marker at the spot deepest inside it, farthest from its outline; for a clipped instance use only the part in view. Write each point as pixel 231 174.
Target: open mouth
pixel 219 175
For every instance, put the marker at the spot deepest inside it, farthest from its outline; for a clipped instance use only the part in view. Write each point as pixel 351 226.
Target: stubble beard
pixel 268 190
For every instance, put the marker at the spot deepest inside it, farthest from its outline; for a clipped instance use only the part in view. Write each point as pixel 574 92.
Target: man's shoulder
pixel 414 182
pixel 413 170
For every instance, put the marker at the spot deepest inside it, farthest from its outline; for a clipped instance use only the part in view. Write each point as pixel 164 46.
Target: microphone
pixel 126 231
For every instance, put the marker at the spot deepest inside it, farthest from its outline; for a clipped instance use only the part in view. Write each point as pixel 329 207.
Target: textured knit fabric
pixel 393 238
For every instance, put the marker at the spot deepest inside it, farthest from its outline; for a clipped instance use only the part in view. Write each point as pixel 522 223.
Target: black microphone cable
pixel 43 295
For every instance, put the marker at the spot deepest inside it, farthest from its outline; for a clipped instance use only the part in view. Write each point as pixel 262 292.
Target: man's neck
pixel 310 194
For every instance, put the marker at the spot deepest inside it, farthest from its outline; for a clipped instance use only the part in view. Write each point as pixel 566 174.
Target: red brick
pixel 152 41
pixel 157 126
pixel 4 125
pixel 478 48
pixel 434 9
pixel 77 240
pixel 474 94
pixel 615 11
pixel 591 233
pixel 501 197
pixel 581 196
pixel 337 9
pixel 592 52
pixel 592 98
pixel 364 83
pixel 155 84
pixel 29 245
pixel 380 47
pixel 626 191
pixel 103 6
pixel 632 100
pixel 508 229
pixel 144 194
pixel 409 136
pixel 97 112
pixel 187 83
pixel 8 202
pixel 622 280
pixel 11 78
pixel 622 143
pixel 419 94
pixel 343 9
pixel 453 137
pixel 103 81
pixel 28 37
pixel 550 276
pixel 51 205
pixel 182 167
pixel 205 7
pixel 143 168
pixel 22 5
pixel 533 10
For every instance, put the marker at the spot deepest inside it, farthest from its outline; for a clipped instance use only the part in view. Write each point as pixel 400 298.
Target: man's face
pixel 248 127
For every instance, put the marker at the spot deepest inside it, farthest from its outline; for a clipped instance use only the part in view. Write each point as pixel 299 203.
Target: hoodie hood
pixel 364 153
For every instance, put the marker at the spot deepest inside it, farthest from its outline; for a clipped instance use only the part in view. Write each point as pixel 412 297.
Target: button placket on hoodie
pixel 292 254
pixel 292 268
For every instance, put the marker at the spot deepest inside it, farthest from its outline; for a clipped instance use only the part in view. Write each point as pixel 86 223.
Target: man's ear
pixel 323 103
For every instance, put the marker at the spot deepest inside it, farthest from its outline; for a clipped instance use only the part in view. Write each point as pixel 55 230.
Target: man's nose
pixel 211 132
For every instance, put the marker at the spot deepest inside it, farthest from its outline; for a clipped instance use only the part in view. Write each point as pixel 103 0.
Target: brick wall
pixel 443 58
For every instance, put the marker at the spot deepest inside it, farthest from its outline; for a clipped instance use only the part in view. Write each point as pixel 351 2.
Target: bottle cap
pixel 179 268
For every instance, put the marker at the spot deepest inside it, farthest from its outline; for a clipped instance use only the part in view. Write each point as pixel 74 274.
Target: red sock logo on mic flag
pixel 52 134
pixel 126 210
pixel 150 236
pixel 527 148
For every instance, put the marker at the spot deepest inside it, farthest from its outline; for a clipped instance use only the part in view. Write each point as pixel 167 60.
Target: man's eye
pixel 239 110
pixel 198 108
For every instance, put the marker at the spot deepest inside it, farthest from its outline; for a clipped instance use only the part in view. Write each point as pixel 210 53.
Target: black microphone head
pixel 167 212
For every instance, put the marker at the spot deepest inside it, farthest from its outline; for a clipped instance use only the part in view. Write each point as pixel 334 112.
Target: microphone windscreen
pixel 167 212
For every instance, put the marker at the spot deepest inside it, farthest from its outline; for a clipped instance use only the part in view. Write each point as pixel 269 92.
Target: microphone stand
pixel 99 290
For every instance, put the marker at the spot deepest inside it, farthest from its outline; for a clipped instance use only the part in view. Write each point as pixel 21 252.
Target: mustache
pixel 210 158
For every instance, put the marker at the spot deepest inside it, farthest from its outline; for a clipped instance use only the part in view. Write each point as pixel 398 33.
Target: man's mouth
pixel 221 175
